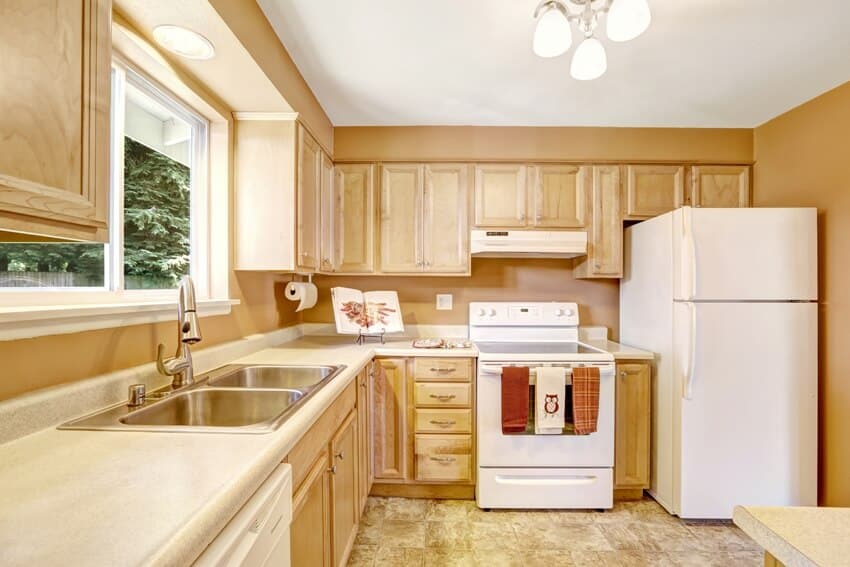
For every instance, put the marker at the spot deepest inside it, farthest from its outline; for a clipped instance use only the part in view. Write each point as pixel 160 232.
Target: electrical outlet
pixel 444 302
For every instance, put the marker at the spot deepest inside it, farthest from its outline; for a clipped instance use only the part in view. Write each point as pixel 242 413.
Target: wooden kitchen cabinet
pixel 308 190
pixel 310 531
pixel 558 196
pixel 423 219
pixel 351 212
pixel 54 118
pixel 501 199
pixel 327 223
pixel 720 186
pixel 632 426
pixel 364 437
pixel 605 240
pixel 652 190
pixel 389 419
pixel 344 490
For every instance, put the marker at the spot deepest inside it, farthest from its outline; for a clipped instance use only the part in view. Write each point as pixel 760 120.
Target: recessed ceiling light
pixel 184 42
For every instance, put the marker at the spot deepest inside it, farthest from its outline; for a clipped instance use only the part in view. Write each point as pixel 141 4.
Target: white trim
pixel 29 322
pixel 282 116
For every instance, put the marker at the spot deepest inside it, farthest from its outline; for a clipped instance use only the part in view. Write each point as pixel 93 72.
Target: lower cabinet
pixel 633 426
pixel 310 531
pixel 345 493
pixel 364 438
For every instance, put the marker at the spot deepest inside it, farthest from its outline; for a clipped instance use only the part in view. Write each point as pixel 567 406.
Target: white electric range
pixel 538 471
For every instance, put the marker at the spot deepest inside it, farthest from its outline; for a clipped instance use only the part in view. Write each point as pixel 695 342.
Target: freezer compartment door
pixel 745 254
pixel 746 402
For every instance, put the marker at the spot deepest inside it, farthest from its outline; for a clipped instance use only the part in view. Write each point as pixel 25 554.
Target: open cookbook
pixel 366 313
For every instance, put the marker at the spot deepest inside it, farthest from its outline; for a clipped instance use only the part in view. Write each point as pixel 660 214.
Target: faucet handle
pixel 171 365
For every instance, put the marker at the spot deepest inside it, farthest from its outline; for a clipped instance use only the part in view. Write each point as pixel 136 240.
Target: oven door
pixel 524 450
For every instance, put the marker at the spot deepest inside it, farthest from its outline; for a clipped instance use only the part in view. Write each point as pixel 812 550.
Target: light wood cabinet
pixel 424 219
pixel 558 196
pixel 500 193
pixel 364 437
pixel 307 202
pixel 351 210
pixel 328 207
pixel 652 190
pixel 720 186
pixel 389 419
pixel 54 117
pixel 605 243
pixel 344 491
pixel 633 423
pixel 310 530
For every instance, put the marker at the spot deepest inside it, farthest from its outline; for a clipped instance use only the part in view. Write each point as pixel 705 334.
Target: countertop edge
pixel 770 541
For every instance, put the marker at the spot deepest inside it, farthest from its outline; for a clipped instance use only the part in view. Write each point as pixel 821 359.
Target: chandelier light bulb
pixel 553 36
pixel 627 19
pixel 590 61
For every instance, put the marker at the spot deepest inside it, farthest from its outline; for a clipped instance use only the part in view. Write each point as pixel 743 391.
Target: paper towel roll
pixel 305 293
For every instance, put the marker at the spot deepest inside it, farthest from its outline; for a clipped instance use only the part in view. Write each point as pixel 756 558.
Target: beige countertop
pixel 799 536
pixel 139 498
pixel 621 352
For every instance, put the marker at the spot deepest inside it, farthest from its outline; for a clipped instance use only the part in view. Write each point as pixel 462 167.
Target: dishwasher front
pixel 258 536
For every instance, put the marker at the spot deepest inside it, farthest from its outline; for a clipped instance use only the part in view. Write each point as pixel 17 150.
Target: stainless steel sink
pixel 296 377
pixel 231 399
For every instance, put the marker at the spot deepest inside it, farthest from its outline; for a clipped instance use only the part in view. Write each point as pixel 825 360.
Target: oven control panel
pixel 523 314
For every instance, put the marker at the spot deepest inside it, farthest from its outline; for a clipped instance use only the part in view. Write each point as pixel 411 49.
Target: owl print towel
pixel 549 401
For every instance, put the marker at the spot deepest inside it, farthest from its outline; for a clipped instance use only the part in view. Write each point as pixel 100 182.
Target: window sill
pixel 24 322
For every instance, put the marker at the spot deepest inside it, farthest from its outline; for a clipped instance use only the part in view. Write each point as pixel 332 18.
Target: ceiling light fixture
pixel 626 19
pixel 184 42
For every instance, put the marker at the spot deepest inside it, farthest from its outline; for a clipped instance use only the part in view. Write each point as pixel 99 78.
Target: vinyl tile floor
pixel 399 532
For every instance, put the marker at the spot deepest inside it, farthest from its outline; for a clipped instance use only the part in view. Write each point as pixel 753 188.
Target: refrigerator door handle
pixel 688 378
pixel 689 256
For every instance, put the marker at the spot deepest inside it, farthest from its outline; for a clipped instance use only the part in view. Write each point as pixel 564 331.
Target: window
pixel 158 223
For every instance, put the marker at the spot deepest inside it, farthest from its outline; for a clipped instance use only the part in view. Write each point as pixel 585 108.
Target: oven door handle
pixel 496 369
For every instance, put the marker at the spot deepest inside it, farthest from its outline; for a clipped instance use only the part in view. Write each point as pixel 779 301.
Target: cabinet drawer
pixel 437 394
pixel 443 421
pixel 442 369
pixel 444 458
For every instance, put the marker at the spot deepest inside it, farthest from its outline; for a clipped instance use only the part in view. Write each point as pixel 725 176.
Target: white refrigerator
pixel 727 299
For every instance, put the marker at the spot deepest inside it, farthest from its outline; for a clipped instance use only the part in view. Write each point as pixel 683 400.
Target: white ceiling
pixel 702 63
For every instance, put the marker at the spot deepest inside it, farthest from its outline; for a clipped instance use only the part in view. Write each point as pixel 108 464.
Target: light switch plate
pixel 444 302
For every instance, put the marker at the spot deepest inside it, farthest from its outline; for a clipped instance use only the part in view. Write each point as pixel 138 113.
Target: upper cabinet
pixel 351 230
pixel 424 226
pixel 720 186
pixel 307 201
pixel 54 117
pixel 500 195
pixel 605 241
pixel 558 196
pixel 652 190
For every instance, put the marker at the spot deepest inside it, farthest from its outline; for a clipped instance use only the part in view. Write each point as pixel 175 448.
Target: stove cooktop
pixel 532 348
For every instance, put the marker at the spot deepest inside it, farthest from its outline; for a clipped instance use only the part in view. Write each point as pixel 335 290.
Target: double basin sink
pixel 232 399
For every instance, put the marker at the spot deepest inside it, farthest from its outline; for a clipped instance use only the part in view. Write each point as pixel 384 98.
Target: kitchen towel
pixel 585 399
pixel 305 293
pixel 514 399
pixel 549 400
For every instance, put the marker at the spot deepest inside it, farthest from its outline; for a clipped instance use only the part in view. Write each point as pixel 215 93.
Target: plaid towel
pixel 585 399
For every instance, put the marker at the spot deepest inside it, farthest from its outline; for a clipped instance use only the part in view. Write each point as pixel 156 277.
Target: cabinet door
pixel 328 226
pixel 345 500
pixel 310 531
pixel 364 446
pixel 54 117
pixel 720 186
pixel 445 222
pixel 389 419
pixel 632 432
pixel 605 243
pixel 653 190
pixel 558 195
pixel 354 219
pixel 500 195
pixel 307 199
pixel 401 218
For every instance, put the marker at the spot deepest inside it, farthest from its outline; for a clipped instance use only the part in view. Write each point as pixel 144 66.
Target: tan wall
pixel 492 280
pixel 403 143
pixel 801 160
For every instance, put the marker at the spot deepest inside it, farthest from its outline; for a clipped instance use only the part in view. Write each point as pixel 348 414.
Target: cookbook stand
pixel 363 337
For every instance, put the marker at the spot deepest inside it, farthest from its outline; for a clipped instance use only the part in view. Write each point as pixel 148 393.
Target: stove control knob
pixel 561 312
pixel 492 312
pixel 481 312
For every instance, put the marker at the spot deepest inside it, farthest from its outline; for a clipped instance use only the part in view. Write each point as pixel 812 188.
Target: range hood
pixel 528 243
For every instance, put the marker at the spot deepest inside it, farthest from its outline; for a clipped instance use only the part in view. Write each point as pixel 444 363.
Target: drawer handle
pixel 443 370
pixel 443 397
pixel 443 423
pixel 443 460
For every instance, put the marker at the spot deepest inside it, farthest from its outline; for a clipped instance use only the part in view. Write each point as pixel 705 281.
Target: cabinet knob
pixel 340 455
pixel 623 374
pixel 332 470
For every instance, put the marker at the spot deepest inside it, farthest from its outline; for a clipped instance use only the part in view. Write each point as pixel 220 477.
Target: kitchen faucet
pixel 188 333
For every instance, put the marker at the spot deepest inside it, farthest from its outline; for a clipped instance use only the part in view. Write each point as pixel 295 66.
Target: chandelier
pixel 625 20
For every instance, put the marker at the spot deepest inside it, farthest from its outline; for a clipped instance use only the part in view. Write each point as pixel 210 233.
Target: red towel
pixel 585 399
pixel 514 399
